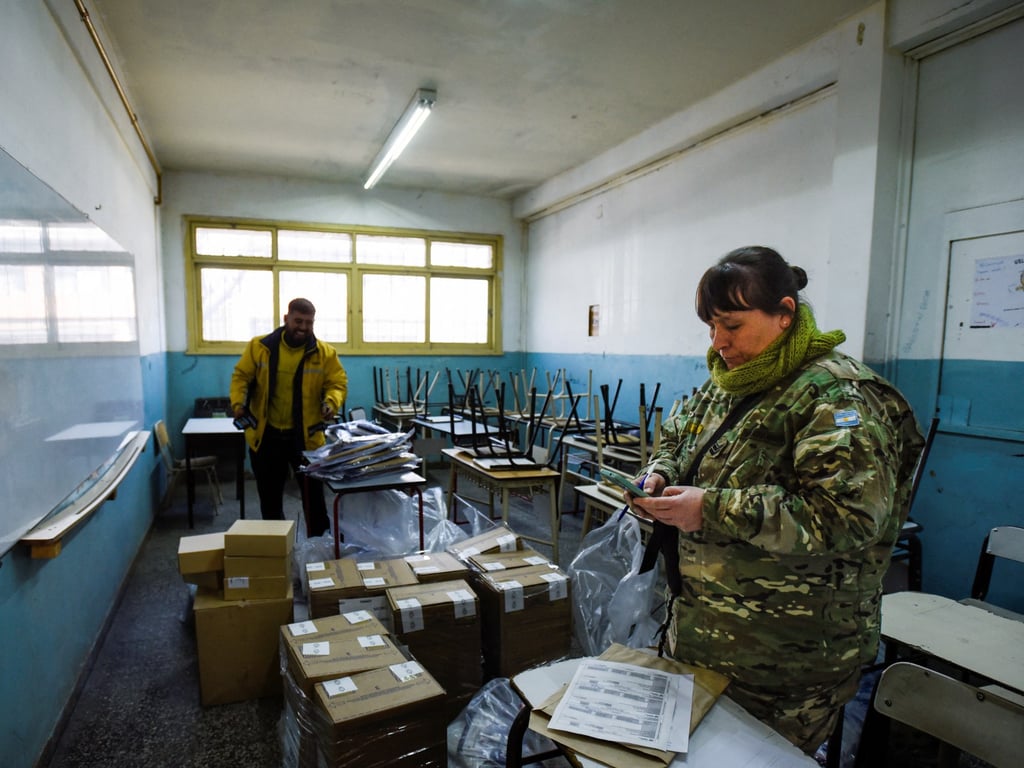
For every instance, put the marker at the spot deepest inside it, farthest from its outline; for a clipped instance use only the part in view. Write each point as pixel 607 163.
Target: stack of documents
pixel 351 456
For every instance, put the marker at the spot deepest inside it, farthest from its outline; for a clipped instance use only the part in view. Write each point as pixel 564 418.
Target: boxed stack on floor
pixel 440 624
pixel 237 626
pixel 436 566
pixel 337 586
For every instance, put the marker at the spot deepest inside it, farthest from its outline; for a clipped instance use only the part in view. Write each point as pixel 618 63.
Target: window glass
pixel 473 255
pixel 394 308
pixel 329 294
pixel 397 251
pixel 94 303
pixel 458 310
pixel 237 303
pixel 302 245
pixel 22 304
pixel 233 242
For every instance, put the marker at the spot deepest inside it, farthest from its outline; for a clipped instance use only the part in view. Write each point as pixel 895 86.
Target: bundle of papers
pixel 356 454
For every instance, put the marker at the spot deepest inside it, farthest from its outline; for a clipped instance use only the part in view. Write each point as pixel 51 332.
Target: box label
pixel 558 586
pixel 465 604
pixel 412 614
pixel 339 686
pixel 371 641
pixel 406 672
pixel 513 596
pixel 302 628
pixel 321 648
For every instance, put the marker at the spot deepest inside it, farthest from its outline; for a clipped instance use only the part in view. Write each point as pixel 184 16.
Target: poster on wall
pixel 998 297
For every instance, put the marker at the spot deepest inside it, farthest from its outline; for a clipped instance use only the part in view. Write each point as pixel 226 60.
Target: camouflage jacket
pixel 804 499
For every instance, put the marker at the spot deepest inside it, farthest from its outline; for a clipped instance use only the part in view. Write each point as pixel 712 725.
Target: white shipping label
pixel 371 641
pixel 465 603
pixel 494 567
pixel 507 543
pixel 513 596
pixel 374 581
pixel 301 628
pixel 321 583
pixel 358 617
pixel 412 614
pixel 558 586
pixel 239 582
pixel 424 570
pixel 469 552
pixel 536 560
pixel 406 672
pixel 316 567
pixel 322 648
pixel 416 558
pixel 339 686
pixel 371 566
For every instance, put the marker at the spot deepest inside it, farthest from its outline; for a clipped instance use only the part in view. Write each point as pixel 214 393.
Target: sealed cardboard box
pixel 501 538
pixel 260 538
pixel 527 618
pixel 334 580
pixel 437 566
pixel 257 567
pixel 501 561
pixel 203 553
pixel 256 587
pixel 237 643
pixel 440 624
pixel 382 718
pixel 335 646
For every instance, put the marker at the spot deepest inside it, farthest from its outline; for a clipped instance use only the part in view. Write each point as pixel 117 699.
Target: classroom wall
pixel 191 376
pixel 820 180
pixel 63 121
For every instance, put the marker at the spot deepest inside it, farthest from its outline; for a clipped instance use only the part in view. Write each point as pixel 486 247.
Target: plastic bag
pixel 612 601
pixel 478 737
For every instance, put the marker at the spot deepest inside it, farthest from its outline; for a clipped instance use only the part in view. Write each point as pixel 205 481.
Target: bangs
pixel 723 289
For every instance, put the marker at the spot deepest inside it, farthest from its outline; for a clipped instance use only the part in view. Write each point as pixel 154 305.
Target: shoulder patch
pixel 848 418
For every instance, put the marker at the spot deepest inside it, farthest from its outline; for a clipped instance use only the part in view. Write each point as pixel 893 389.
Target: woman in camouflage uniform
pixel 787 518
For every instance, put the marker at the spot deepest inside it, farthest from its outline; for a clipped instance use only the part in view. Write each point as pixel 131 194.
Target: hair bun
pixel 801 277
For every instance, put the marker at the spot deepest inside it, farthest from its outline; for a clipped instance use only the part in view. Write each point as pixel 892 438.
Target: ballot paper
pixel 627 703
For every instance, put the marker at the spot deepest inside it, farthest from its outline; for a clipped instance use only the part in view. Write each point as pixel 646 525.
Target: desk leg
pixel 240 478
pixel 504 505
pixel 453 486
pixel 555 523
pixel 337 531
pixel 419 492
pixel 190 481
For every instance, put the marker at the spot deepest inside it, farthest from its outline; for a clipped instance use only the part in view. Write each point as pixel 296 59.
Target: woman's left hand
pixel 678 505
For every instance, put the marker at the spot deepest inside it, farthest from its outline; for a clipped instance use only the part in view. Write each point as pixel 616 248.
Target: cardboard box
pixel 527 618
pixel 501 561
pixel 211 580
pixel 440 624
pixel 336 646
pixel 258 567
pixel 203 553
pixel 237 643
pixel 256 587
pixel 437 566
pixel 334 580
pixel 260 538
pixel 499 539
pixel 382 718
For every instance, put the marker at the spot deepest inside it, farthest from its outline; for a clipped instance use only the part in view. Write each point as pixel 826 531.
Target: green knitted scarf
pixel 802 341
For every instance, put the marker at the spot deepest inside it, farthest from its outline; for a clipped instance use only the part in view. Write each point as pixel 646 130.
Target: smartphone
pixel 624 482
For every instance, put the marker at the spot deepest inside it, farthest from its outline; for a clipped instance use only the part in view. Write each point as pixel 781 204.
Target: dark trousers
pixel 277 458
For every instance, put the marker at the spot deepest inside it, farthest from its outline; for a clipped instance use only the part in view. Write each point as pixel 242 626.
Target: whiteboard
pixel 70 367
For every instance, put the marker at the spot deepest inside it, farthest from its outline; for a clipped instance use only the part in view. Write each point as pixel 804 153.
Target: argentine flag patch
pixel 846 418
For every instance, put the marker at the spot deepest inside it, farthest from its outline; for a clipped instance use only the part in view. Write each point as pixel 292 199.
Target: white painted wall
pixel 802 179
pixel 63 120
pixel 324 203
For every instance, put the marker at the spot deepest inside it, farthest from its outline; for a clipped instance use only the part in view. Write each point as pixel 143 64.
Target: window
pixel 375 290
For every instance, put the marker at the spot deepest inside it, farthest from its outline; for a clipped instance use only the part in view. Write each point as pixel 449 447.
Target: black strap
pixel 665 538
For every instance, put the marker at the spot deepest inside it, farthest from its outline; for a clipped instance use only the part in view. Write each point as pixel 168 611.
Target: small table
pixel 504 482
pixel 463 428
pixel 410 482
pixel 222 429
pixel 727 737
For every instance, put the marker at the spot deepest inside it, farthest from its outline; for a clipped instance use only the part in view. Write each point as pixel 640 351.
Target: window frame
pixel 355 345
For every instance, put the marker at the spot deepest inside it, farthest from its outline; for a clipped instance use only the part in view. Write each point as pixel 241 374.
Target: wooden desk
pixel 727 737
pixel 966 636
pixel 395 416
pixel 464 428
pixel 199 430
pixel 410 482
pixel 624 459
pixel 542 480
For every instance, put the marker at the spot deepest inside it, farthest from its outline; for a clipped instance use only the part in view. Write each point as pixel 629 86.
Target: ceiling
pixel 526 89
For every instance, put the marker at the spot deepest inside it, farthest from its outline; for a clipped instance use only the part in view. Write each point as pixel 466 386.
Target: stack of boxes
pixel 238 618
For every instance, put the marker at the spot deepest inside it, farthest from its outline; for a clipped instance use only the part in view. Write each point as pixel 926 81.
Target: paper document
pixel 627 703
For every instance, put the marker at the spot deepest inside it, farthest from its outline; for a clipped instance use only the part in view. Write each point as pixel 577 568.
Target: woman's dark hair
pixel 753 277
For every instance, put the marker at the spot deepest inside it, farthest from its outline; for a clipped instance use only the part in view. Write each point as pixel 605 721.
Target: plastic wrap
pixel 612 601
pixel 478 737
pixel 387 523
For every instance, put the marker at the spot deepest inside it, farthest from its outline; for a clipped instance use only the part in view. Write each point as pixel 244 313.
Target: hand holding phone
pixel 623 482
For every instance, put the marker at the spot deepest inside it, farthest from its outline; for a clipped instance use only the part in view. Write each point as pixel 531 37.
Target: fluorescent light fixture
pixel 414 116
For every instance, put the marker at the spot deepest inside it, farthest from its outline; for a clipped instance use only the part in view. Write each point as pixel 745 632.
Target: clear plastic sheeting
pixel 478 737
pixel 612 601
pixel 387 522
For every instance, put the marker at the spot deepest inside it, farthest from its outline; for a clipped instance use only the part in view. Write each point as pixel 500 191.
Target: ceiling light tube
pixel 414 116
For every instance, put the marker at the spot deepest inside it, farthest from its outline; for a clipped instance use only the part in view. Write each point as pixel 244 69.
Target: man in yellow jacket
pixel 290 382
